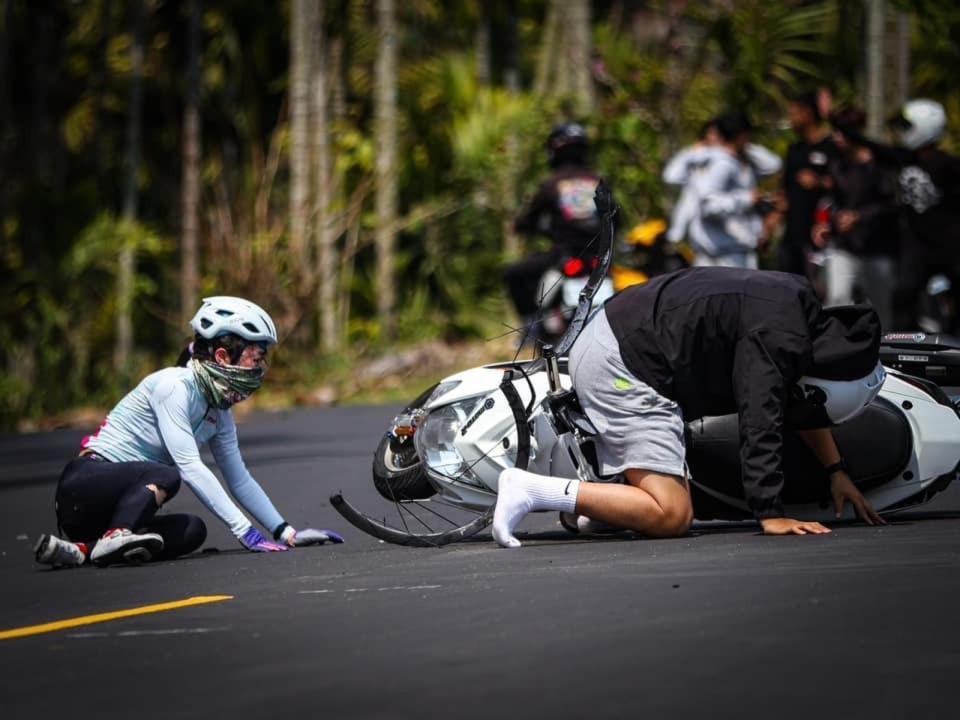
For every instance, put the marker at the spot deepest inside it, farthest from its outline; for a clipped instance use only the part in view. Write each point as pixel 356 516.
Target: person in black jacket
pixel 806 179
pixel 860 231
pixel 929 190
pixel 562 209
pixel 698 342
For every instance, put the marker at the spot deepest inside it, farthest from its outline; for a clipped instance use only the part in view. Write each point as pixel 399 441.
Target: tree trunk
pixel 563 82
pixel 300 29
pixel 511 81
pixel 875 102
pixel 548 50
pixel 385 90
pixel 580 47
pixel 346 281
pixel 127 267
pixel 327 264
pixel 335 80
pixel 481 40
pixel 190 199
pixel 902 60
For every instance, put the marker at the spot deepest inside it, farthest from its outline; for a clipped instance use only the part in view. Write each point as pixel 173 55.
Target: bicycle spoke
pixel 440 515
pixel 417 518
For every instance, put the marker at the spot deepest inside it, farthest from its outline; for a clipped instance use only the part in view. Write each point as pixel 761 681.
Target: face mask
pixel 225 385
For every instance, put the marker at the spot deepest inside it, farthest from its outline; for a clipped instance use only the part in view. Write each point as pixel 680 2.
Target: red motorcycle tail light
pixel 573 267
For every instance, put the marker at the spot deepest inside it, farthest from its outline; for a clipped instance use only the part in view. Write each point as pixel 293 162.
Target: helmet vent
pixel 205 323
pixel 224 313
pixel 251 327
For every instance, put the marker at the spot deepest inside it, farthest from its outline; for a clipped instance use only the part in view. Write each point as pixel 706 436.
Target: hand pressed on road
pixel 309 536
pixel 253 541
pixel 842 489
pixel 789 526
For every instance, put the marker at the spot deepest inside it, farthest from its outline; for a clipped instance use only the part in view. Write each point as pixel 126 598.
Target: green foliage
pixel 63 336
pixel 771 48
pixel 936 55
pixel 468 154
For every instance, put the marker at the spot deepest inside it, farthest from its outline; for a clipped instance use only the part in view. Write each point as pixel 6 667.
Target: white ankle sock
pixel 520 492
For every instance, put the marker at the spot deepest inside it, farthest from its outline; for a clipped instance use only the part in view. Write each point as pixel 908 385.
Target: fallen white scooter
pixel 449 446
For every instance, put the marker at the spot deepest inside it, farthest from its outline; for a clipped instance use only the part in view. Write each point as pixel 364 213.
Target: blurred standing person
pixel 728 226
pixel 861 237
pixel 680 171
pixel 928 181
pixel 806 179
pixel 686 165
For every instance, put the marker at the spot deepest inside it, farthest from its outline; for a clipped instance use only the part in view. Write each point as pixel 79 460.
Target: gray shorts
pixel 638 427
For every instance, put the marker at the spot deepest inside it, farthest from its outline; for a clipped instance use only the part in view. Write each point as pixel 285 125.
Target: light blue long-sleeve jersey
pixel 165 419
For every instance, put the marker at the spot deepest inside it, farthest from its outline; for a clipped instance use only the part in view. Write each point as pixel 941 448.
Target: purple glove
pixel 309 536
pixel 253 541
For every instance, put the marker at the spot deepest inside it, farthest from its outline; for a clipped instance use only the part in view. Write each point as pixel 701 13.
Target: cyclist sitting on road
pixel 563 209
pixel 108 496
pixel 707 341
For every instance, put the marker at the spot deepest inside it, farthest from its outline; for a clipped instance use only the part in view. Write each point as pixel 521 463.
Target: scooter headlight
pixel 437 436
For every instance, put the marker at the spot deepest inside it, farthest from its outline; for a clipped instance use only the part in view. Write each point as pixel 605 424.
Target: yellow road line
pixel 115 615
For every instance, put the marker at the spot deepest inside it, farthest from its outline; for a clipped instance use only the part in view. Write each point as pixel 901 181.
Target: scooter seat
pixel 713 453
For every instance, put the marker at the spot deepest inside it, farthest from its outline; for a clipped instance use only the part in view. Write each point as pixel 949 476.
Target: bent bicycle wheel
pixel 433 521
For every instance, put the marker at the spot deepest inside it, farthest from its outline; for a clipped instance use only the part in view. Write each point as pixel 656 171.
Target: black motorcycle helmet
pixel 567 144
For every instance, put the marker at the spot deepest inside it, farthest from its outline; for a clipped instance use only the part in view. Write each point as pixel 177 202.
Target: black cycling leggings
pixel 96 495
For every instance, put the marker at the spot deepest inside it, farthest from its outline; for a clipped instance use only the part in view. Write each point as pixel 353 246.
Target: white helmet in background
pixel 224 314
pixel 921 122
pixel 819 402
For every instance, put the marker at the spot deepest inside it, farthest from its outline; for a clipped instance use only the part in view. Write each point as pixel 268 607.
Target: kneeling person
pixel 699 342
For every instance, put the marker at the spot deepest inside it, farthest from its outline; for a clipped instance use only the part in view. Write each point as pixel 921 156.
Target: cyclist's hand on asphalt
pixel 253 541
pixel 789 526
pixel 843 490
pixel 309 536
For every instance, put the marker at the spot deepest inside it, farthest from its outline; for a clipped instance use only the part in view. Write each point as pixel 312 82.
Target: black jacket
pixel 564 210
pixel 724 340
pixel 802 203
pixel 868 189
pixel 929 188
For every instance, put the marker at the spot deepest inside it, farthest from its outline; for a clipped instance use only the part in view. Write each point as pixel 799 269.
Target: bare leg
pixel 159 493
pixel 651 503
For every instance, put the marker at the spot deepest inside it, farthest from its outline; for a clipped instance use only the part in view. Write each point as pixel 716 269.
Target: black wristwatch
pixel 836 467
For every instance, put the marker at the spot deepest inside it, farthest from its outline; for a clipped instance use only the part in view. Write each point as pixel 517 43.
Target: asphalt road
pixel 724 623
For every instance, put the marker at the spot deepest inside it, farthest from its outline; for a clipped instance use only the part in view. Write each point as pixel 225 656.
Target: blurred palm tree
pixel 772 48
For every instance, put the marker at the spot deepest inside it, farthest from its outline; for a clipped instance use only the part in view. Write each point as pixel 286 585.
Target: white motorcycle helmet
pixel 818 402
pixel 922 122
pixel 223 314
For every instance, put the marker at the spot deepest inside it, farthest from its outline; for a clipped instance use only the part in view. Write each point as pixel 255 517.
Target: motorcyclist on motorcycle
pixel 708 341
pixel 929 190
pixel 562 209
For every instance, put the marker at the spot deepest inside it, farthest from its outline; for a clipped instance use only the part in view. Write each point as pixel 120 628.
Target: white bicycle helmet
pixel 224 314
pixel 818 402
pixel 921 122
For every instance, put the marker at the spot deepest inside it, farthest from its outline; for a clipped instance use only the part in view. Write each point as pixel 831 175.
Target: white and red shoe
pixel 121 545
pixel 53 551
